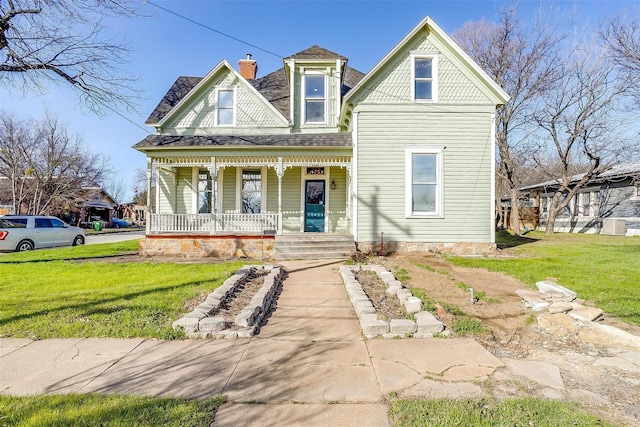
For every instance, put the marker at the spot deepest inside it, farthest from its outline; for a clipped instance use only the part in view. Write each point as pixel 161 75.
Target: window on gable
pixel 314 99
pixel 225 107
pixel 251 191
pixel 424 73
pixel 424 182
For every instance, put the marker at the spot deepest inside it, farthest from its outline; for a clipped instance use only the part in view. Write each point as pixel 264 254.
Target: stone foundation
pixel 224 247
pixel 455 248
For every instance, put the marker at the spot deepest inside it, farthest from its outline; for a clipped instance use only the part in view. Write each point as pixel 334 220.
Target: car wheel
pixel 79 240
pixel 24 245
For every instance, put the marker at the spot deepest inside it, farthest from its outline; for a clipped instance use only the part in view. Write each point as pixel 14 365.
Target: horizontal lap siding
pixel 291 200
pixel 338 201
pixel 382 139
pixel 184 191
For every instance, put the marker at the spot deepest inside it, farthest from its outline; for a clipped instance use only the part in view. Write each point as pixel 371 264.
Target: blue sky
pixel 166 46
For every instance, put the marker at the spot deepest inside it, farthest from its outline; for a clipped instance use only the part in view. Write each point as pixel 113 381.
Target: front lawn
pixel 602 269
pixel 42 296
pixel 525 411
pixel 105 410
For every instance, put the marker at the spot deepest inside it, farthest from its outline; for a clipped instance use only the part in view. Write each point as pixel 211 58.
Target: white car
pixel 28 232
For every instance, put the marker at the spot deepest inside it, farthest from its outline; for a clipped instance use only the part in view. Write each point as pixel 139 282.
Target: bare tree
pixel 64 40
pixel 622 38
pixel 116 187
pixel 582 123
pixel 523 60
pixel 140 187
pixel 46 164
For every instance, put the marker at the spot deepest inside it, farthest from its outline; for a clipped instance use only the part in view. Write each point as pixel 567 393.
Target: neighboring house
pixel 405 152
pixel 95 205
pixel 608 204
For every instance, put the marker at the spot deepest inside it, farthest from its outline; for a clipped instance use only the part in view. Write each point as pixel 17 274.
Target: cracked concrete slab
pixel 189 369
pixel 60 365
pixel 542 373
pixel 308 415
pixel 9 345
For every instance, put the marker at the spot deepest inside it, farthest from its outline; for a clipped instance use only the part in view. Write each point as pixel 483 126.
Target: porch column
pixel 280 175
pixel 148 214
pixel 348 191
pixel 213 171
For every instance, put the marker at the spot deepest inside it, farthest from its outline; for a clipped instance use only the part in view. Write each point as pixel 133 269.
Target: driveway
pixel 114 237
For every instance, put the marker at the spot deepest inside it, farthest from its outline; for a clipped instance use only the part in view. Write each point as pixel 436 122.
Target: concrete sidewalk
pixel 310 351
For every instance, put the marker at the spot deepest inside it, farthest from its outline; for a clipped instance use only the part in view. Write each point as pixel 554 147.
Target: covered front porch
pixel 249 194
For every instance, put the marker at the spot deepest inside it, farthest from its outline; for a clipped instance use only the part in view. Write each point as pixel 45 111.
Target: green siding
pixel 382 139
pixel 184 191
pixel 228 190
pixel 251 112
pixel 338 201
pixel 166 192
pixel 291 200
pixel 393 85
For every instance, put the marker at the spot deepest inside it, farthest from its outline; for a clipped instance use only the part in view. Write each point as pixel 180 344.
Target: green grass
pixel 466 326
pixel 106 410
pixel 602 269
pixel 525 411
pixel 72 252
pixel 402 275
pixel 69 299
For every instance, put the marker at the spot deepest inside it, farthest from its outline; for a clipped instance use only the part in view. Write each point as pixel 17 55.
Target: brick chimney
pixel 248 67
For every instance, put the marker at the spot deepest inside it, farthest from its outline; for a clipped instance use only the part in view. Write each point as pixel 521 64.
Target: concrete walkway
pixel 310 351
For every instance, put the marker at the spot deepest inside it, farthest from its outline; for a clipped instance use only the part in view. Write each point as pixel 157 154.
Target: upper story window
pixel 424 70
pixel 225 107
pixel 315 101
pixel 424 182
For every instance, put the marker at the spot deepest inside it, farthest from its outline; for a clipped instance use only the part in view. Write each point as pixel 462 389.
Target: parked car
pixel 119 223
pixel 28 232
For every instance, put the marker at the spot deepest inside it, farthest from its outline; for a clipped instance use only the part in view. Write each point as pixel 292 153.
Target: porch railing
pixel 212 223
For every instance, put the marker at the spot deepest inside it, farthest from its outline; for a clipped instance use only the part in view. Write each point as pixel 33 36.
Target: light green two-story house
pixel 404 153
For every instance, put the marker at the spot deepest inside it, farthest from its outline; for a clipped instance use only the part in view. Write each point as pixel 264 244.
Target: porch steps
pixel 313 246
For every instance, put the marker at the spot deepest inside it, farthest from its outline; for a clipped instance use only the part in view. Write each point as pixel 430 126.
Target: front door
pixel 314 206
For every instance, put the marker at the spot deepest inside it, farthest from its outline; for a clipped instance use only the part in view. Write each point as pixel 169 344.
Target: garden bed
pixel 384 306
pixel 236 308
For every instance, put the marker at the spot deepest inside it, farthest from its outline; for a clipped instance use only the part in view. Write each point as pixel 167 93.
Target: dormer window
pixel 425 78
pixel 315 101
pixel 225 107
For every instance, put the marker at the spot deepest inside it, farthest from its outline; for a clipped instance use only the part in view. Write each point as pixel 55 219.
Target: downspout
pixel 493 179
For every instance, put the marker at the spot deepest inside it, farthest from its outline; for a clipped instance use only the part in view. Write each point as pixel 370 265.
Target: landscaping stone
pixel 402 326
pixel 403 294
pixel 211 324
pixel 413 305
pixel 204 308
pixel 585 314
pixel 426 323
pixel 393 290
pixel 532 299
pixel 559 307
pixel 374 327
pixel 187 324
pixel 551 288
pixel 195 315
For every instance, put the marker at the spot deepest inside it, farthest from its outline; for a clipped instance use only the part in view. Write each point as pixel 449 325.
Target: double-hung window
pixel 424 72
pixel 251 191
pixel 205 192
pixel 225 107
pixel 315 101
pixel 424 182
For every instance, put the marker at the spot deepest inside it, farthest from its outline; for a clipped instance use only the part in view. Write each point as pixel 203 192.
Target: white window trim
pixel 233 89
pixel 263 190
pixel 433 56
pixel 408 189
pixel 304 98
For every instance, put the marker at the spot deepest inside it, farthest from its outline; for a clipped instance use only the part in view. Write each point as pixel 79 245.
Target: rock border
pixel 199 323
pixel 424 326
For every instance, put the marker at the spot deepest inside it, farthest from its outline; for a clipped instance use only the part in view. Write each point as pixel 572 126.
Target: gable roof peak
pixel 316 52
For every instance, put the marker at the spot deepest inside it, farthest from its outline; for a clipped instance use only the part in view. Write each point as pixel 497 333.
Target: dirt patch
pixel 387 306
pixel 514 332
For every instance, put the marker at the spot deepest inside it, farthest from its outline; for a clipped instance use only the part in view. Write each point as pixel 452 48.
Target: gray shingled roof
pixel 274 86
pixel 617 171
pixel 316 52
pixel 285 140
pixel 180 88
